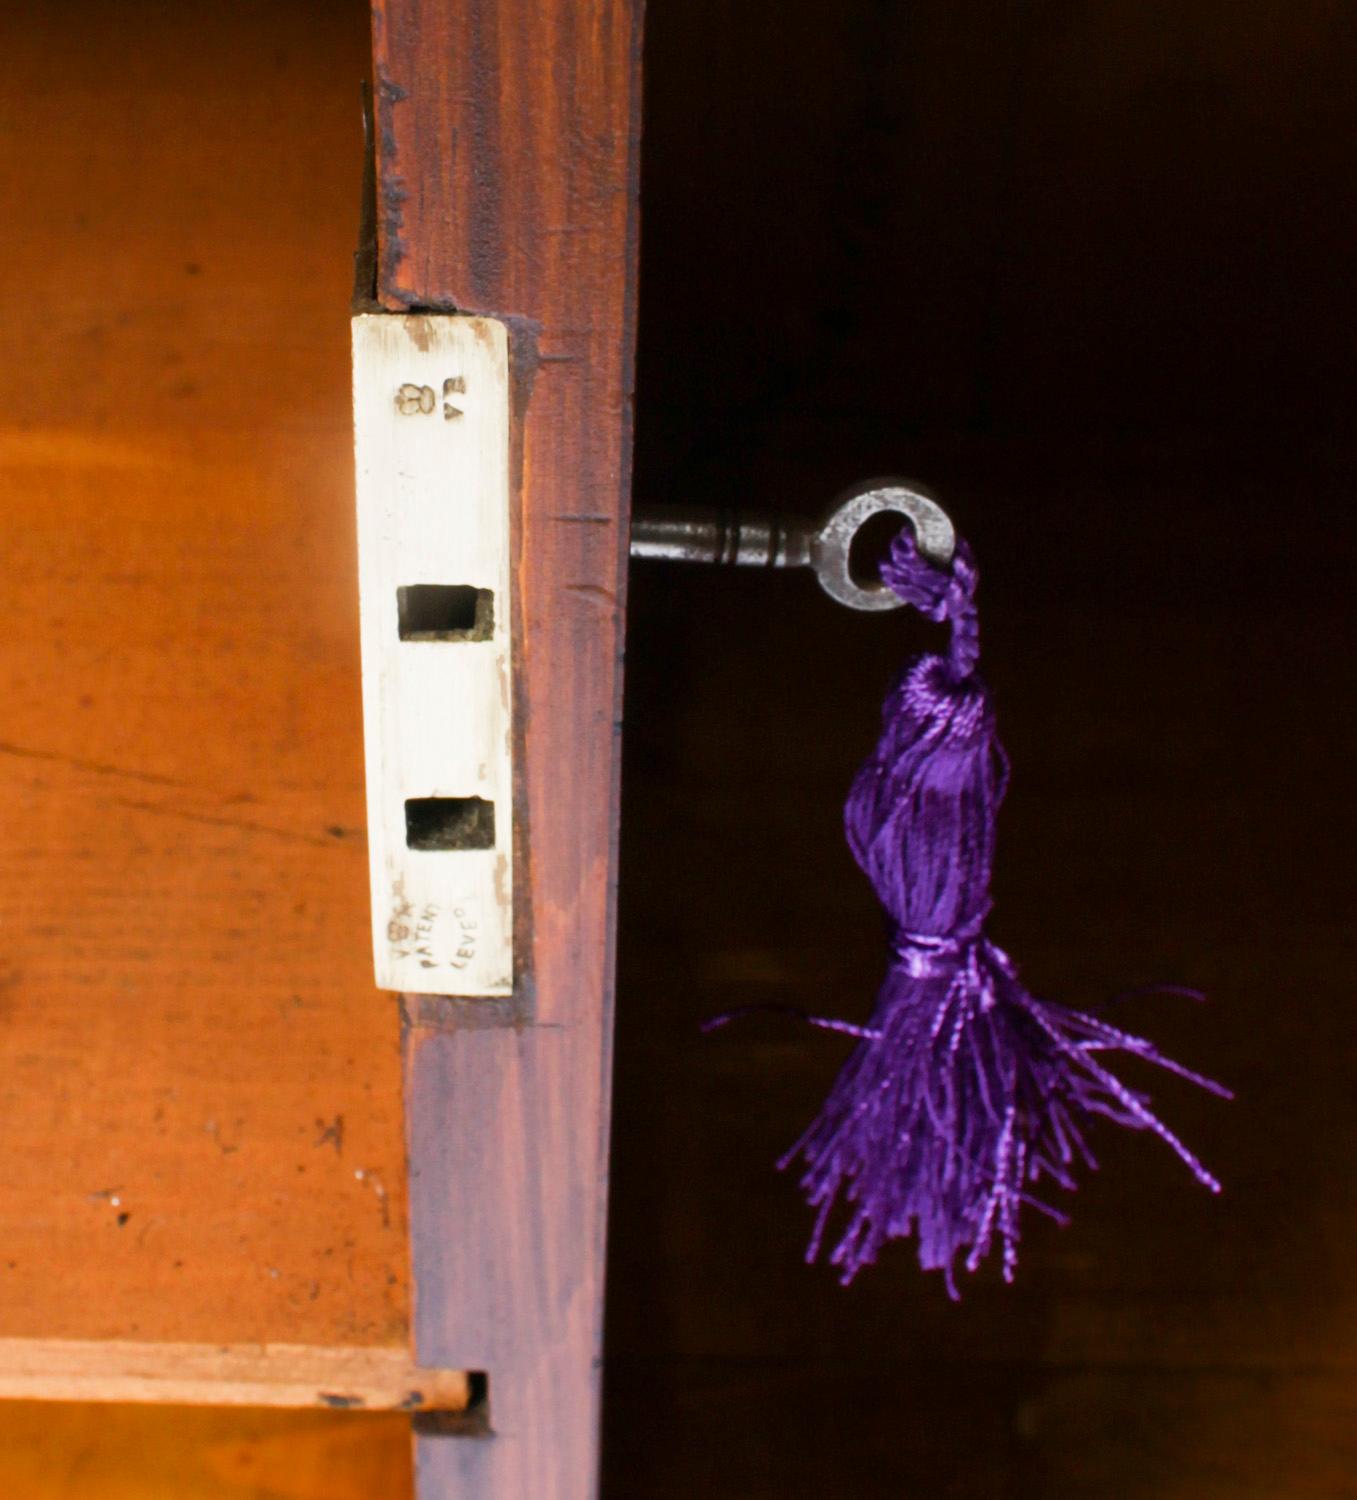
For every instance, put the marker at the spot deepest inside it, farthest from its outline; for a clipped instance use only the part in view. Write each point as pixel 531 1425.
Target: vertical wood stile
pixel 507 136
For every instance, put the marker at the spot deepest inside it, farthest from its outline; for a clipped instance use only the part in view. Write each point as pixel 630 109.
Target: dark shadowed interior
pixel 1086 271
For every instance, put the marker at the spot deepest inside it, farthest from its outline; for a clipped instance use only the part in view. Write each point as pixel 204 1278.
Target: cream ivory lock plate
pixel 431 430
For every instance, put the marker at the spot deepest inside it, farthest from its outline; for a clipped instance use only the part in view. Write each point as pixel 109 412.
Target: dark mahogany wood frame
pixel 507 136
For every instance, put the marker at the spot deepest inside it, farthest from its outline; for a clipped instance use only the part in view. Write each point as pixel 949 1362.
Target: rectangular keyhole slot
pixel 436 823
pixel 445 612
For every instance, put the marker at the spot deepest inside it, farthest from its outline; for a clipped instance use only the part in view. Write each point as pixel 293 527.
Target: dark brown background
pixel 1087 270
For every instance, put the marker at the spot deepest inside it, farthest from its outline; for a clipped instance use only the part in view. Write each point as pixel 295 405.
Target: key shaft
pixel 677 533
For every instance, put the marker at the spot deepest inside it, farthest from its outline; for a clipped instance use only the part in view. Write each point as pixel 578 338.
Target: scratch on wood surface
pixel 372 1180
pixel 98 768
pixel 237 823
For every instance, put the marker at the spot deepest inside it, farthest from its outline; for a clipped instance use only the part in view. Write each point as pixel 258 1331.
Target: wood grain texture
pixel 200 1125
pixel 293 1375
pixel 507 184
pixel 53 1451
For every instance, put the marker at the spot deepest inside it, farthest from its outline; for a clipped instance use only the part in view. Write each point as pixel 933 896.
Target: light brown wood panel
pixel 199 1085
pixel 72 1452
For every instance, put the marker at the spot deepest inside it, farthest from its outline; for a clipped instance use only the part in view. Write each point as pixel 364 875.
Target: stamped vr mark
pixel 413 400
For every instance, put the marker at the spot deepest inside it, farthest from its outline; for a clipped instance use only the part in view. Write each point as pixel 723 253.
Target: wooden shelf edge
pixel 277 1375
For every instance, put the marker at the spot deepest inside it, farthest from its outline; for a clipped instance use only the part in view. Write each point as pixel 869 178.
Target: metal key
pixel 679 533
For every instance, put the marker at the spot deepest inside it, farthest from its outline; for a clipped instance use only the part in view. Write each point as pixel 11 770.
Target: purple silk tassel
pixel 966 1090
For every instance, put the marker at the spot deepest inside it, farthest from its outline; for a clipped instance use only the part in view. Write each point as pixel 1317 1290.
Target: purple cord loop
pixel 965 1091
pixel 939 595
